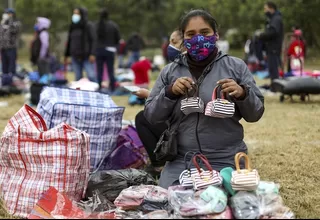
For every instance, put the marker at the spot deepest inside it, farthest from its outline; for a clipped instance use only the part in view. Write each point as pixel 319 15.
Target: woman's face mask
pixel 173 52
pixel 199 47
pixel 76 18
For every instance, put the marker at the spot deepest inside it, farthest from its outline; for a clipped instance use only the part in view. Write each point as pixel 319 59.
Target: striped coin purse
pixel 192 104
pixel 204 178
pixel 219 107
pixel 185 179
pixel 247 179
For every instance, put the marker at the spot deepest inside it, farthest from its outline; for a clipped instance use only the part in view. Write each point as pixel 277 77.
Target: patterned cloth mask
pixel 199 47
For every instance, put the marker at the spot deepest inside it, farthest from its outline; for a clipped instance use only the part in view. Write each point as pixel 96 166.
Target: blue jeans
pixel 106 57
pixel 134 57
pixel 8 59
pixel 120 61
pixel 79 65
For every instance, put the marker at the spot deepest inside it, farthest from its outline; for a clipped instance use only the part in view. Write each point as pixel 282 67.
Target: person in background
pixel 40 46
pixel 273 37
pixel 122 52
pixel 164 48
pixel 148 133
pixel 81 45
pixel 175 47
pixel 9 33
pixel 142 73
pixel 108 38
pixel 216 138
pixel 297 28
pixel 223 45
pixel 135 44
pixel 296 49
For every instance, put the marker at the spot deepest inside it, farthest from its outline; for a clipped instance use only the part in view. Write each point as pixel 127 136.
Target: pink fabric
pixel 105 76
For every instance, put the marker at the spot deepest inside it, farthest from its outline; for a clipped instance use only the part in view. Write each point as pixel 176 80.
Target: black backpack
pixel 35 48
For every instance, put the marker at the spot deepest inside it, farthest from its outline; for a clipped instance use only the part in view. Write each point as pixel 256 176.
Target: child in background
pixel 142 74
pixel 141 71
pixel 296 51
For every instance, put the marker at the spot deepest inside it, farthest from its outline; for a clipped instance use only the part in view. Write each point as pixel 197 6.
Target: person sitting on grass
pixel 148 133
pixel 219 139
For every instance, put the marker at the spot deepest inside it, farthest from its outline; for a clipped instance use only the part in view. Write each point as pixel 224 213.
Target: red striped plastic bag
pixel 33 158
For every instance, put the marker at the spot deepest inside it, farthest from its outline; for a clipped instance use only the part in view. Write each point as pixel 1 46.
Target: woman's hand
pixel 142 93
pixel 232 88
pixel 181 85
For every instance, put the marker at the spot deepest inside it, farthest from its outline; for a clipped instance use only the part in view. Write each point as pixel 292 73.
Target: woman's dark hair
pixel 206 16
pixel 101 31
pixel 271 5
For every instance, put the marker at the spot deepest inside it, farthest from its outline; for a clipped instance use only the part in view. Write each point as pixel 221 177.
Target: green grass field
pixel 284 145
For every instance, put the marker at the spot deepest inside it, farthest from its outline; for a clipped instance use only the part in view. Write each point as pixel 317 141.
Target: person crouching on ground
pixel 219 139
pixel 148 133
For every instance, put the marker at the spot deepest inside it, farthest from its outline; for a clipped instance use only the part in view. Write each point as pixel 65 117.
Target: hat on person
pixel 298 33
pixel 10 11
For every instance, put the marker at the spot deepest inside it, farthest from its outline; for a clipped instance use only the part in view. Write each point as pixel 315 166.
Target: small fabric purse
pixel 219 107
pixel 246 179
pixel 204 178
pixel 185 177
pixel 193 103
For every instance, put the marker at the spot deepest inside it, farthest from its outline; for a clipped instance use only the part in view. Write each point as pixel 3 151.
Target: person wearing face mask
pixel 219 139
pixel 175 47
pixel 40 46
pixel 9 34
pixel 81 45
pixel 148 133
pixel 273 38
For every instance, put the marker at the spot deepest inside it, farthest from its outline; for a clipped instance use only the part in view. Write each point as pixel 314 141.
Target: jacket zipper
pixel 198 116
pixel 197 135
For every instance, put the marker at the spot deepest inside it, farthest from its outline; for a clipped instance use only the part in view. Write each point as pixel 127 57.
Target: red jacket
pixel 297 49
pixel 140 70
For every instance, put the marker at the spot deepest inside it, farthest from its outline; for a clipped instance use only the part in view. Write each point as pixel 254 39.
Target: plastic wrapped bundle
pixel 178 195
pixel 121 214
pixel 187 203
pixel 147 198
pixel 212 201
pixel 272 207
pixel 245 205
pixel 111 182
pixel 155 199
pixel 159 214
pixel 265 187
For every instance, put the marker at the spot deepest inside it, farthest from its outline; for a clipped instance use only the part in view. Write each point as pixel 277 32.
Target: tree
pixel 157 18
